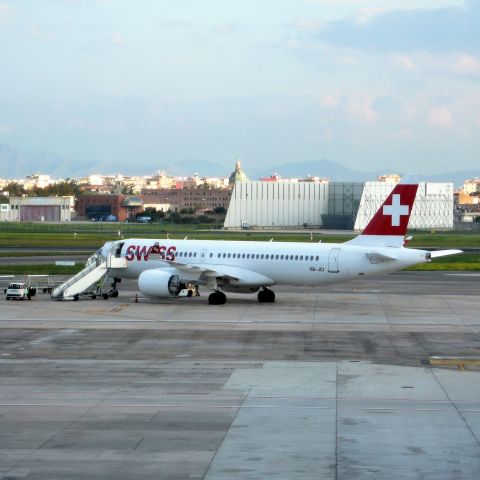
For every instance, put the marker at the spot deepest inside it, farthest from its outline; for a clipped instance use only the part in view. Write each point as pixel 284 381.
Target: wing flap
pixel 237 275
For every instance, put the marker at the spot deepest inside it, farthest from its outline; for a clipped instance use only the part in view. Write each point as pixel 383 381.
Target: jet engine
pixel 160 282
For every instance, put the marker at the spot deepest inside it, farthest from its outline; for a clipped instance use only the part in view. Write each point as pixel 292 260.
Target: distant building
pixel 99 207
pixel 37 181
pixel 468 198
pixel 178 198
pixel 37 209
pixel 237 175
pixel 333 205
pixel 389 178
pixel 275 177
pixel 471 186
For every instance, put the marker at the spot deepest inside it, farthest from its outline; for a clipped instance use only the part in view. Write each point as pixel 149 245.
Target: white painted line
pixel 463 274
pixel 240 405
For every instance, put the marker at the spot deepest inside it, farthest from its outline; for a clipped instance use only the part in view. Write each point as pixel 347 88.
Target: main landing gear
pixel 266 295
pixel 217 298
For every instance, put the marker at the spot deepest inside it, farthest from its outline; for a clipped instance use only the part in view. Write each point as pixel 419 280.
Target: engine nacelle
pixel 159 282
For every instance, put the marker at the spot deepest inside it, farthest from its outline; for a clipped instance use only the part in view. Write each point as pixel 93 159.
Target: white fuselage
pixel 285 263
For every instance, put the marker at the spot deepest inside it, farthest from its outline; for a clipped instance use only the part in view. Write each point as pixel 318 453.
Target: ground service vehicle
pixel 18 291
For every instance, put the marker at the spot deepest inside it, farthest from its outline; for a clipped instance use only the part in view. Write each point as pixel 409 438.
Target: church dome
pixel 237 175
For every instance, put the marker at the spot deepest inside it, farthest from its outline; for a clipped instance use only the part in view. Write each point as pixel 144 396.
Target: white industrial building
pixel 337 205
pixel 276 204
pixel 37 209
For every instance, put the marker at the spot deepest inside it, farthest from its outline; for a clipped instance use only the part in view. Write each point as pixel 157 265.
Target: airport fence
pixel 105 227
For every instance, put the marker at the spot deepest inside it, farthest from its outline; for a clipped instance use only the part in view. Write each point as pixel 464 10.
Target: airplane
pixel 168 268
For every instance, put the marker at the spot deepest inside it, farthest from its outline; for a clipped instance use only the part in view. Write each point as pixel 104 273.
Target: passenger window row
pixel 255 256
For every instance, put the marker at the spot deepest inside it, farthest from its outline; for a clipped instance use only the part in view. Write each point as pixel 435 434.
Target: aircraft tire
pixel 266 296
pixel 217 298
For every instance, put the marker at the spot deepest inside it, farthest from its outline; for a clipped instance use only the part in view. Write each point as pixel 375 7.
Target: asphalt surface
pixel 333 383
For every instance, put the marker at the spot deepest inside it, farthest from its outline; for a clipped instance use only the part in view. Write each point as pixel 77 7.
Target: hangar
pixel 35 209
pixel 330 205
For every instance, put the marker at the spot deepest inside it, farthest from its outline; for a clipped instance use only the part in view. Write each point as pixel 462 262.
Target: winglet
pixel 389 225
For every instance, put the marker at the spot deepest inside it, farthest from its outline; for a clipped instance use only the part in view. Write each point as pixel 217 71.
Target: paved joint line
pixel 139 442
pixel 232 397
pixel 226 433
pixel 231 407
pixel 385 311
pixel 456 408
pixel 336 424
pixel 315 311
pixel 39 447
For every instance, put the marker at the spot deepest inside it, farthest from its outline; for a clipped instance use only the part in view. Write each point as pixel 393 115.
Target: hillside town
pixel 192 199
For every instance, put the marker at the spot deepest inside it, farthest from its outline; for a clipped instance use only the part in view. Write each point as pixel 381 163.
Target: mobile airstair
pixel 94 273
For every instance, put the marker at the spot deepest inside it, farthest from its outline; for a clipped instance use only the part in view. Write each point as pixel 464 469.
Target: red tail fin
pixel 389 225
pixel 392 217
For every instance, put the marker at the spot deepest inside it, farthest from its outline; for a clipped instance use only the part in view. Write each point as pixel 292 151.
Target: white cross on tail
pixel 395 210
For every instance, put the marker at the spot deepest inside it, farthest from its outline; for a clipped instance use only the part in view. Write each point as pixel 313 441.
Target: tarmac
pixel 378 379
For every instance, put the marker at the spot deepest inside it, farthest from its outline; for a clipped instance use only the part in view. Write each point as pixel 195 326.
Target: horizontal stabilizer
pixel 444 253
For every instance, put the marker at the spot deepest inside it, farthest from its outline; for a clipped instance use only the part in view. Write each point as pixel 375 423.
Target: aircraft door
pixel 118 249
pixel 203 255
pixel 333 260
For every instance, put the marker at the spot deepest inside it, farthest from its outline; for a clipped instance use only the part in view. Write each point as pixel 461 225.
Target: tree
pixel 153 213
pixel 220 210
pixel 14 189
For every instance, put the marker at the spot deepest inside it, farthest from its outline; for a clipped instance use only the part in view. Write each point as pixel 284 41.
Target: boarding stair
pixel 95 271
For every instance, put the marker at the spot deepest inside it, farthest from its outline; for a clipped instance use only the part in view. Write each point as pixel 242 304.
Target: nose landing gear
pixel 266 295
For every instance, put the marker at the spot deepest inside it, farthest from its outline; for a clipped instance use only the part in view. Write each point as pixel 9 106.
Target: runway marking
pixel 236 406
pixel 459 362
pixel 235 397
pixel 463 274
pixel 120 307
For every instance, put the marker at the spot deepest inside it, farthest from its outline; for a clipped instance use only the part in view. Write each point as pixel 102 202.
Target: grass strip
pixel 40 269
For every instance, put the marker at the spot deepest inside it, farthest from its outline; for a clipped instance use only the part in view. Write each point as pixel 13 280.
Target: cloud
pixel 466 65
pixel 440 117
pixel 4 10
pixel 226 28
pixel 330 101
pixel 6 128
pixel 436 30
pixel 361 111
pixel 117 39
pixel 174 23
pixel 451 64
pixel 406 62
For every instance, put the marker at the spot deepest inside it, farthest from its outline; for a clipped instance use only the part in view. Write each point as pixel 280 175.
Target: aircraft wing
pixel 238 275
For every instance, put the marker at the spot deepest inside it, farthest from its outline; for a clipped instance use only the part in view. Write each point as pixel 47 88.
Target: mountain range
pixel 16 164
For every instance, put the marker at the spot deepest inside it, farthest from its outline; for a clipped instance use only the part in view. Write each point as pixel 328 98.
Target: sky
pixel 378 84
